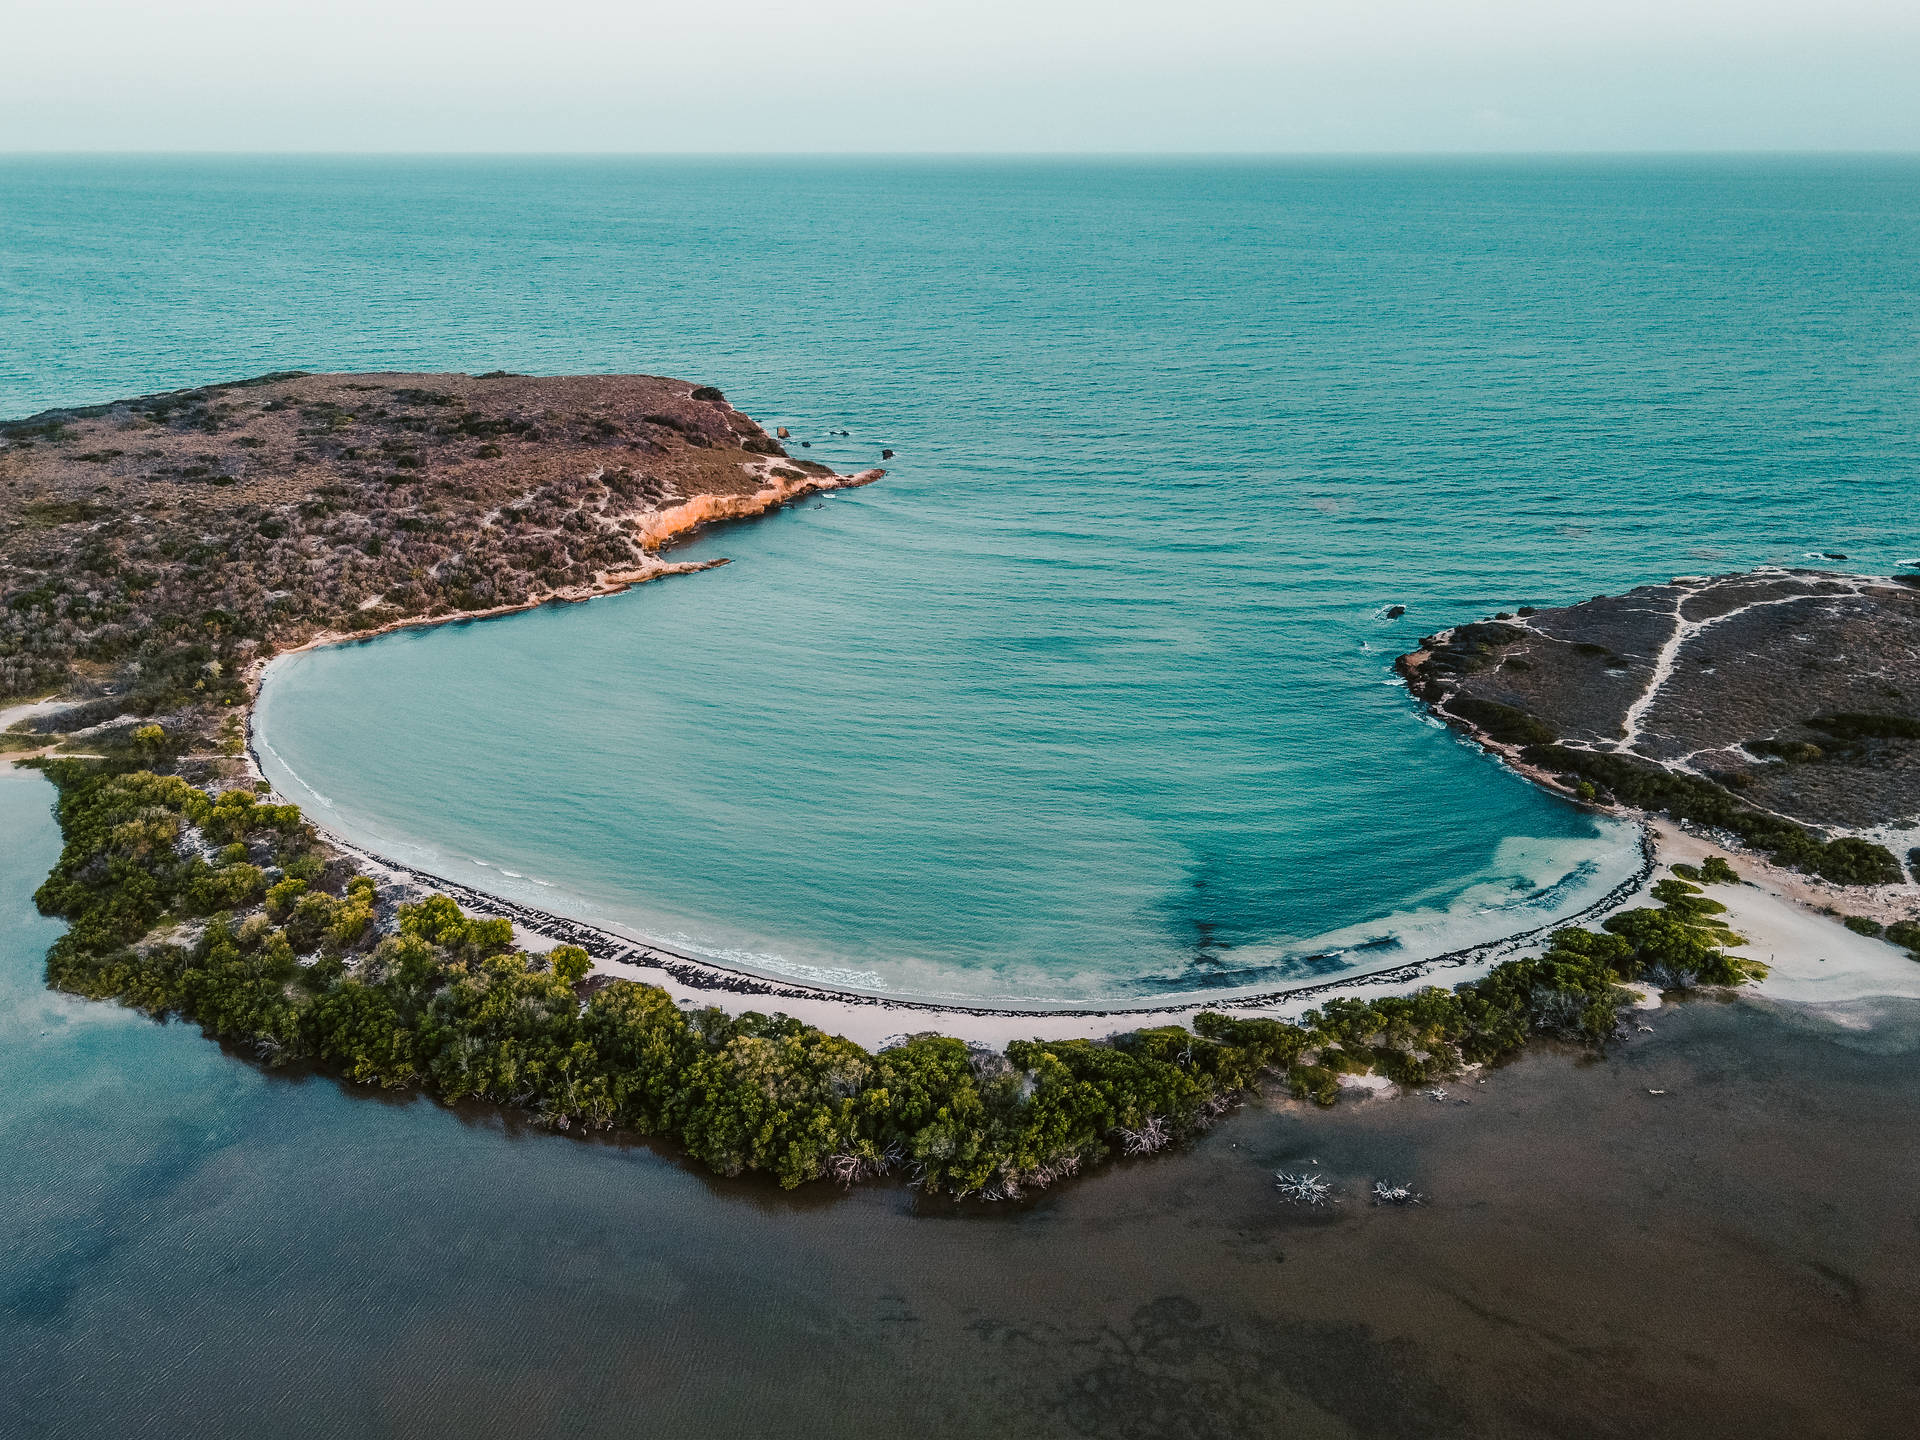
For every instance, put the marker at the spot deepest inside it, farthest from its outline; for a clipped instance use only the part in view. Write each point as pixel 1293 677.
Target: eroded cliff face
pixel 782 484
pixel 152 549
pixel 1793 693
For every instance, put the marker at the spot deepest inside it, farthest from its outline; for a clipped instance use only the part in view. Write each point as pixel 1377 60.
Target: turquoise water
pixel 1089 698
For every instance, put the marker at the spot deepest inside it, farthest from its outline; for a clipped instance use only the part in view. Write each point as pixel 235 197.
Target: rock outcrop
pixel 1751 701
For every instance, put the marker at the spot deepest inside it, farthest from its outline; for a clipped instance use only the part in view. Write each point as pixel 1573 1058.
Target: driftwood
pixel 850 1168
pixel 1152 1137
pixel 1304 1187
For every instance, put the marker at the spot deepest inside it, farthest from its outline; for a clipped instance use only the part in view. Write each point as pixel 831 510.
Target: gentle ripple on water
pixel 1087 698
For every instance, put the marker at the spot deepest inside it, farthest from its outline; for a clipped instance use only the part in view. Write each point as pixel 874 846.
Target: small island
pixel 157 552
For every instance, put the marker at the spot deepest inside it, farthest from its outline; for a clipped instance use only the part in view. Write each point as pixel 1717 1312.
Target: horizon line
pixel 1674 152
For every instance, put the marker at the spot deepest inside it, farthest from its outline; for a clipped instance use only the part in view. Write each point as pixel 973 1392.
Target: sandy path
pixel 1684 631
pixel 13 714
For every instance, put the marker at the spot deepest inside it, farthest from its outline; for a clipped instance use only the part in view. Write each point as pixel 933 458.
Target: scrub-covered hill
pixel 150 549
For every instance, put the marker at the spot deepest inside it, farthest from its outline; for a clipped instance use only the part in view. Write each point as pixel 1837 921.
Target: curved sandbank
pixel 1438 946
pixel 1788 920
pixel 870 1016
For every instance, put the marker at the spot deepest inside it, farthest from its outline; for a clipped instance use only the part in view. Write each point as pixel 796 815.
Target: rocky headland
pixel 1780 708
pixel 154 550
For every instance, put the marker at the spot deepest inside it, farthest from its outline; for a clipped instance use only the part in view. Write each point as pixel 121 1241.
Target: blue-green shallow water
pixel 1088 699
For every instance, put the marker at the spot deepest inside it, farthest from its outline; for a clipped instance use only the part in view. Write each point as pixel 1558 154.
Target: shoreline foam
pixel 868 1016
pixel 1814 961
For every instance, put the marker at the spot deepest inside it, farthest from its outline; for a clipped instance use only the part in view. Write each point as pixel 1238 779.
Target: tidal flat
pixel 202 1247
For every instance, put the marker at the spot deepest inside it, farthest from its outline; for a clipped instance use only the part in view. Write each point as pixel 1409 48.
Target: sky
pixel 972 76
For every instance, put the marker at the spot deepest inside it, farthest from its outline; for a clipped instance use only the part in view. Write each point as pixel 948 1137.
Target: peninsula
pixel 154 553
pixel 1780 708
pixel 155 549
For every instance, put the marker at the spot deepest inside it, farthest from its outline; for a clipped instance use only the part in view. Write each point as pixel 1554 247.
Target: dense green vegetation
pixel 1846 861
pixel 1711 871
pixel 222 909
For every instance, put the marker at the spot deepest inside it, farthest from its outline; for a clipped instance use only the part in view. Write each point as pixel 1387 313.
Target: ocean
pixel 1090 699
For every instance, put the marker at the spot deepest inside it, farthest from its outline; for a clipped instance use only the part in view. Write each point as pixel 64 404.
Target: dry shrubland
pixel 150 548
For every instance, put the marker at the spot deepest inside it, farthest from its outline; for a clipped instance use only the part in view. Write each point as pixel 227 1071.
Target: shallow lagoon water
pixel 831 761
pixel 1089 698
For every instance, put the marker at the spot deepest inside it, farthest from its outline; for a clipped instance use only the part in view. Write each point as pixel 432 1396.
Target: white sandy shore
pixel 1814 959
pixel 872 1018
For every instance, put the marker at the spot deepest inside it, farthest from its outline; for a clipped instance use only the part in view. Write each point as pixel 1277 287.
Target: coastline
pixel 1789 920
pixel 551 1037
pixel 1785 915
pixel 1555 1157
pixel 1796 926
pixel 676 522
pixel 870 1017
pixel 1814 961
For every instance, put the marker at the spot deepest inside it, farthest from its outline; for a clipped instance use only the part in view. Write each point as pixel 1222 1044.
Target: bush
pixel 1846 861
pixel 1315 1083
pixel 1849 861
pixel 1501 722
pixel 1861 925
pixel 1852 725
pixel 570 963
pixel 231 887
pixel 281 897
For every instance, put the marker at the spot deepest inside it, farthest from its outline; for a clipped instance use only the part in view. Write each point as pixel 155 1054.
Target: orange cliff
pixel 676 520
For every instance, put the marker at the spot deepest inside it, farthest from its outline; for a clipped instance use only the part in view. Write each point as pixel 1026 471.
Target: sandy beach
pixel 1813 960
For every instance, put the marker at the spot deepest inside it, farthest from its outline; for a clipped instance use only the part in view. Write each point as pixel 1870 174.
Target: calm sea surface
pixel 1090 697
